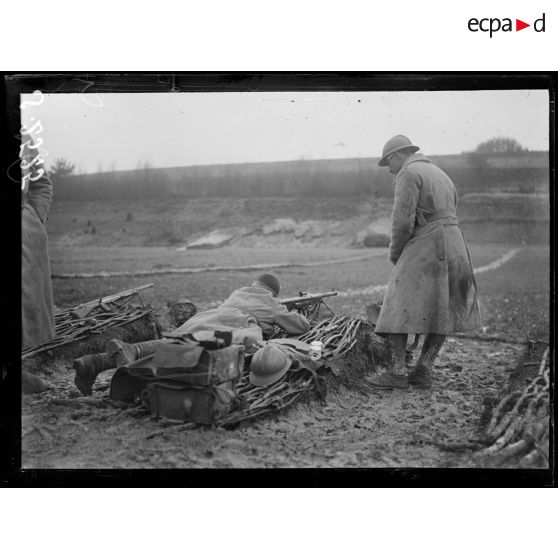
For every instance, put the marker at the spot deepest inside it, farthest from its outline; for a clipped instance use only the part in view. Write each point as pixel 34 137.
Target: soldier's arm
pixel 407 192
pixel 292 322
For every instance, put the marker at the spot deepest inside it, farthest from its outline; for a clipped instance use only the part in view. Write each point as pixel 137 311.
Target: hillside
pixel 252 222
pixel 280 222
pixel 341 202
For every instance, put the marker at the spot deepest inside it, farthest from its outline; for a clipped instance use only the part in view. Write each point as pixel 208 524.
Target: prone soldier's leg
pixel 118 354
pixel 88 368
pixel 123 353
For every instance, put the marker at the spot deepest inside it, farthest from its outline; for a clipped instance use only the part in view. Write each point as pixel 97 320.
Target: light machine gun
pixel 309 304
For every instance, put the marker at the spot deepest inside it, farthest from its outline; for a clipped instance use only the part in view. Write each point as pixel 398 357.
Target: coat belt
pixel 437 215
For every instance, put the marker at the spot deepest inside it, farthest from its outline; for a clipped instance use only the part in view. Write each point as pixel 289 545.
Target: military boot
pixel 421 375
pixel 395 377
pixel 31 384
pixel 88 368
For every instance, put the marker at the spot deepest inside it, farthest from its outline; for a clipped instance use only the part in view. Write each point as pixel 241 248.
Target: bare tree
pixel 499 145
pixel 495 146
pixel 61 169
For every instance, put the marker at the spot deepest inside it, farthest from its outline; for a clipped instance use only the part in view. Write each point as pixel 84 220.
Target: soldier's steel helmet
pixel 269 364
pixel 271 282
pixel 396 143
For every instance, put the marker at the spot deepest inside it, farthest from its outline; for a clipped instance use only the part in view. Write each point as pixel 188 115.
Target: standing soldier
pixel 37 307
pixel 432 289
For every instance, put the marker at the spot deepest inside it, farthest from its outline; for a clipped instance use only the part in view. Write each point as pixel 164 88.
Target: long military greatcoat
pixel 432 287
pixel 37 308
pixel 249 311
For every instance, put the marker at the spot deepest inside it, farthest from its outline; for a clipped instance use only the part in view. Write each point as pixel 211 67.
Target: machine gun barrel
pixel 305 299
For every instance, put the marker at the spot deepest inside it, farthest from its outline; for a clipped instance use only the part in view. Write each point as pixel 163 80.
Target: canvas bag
pixel 183 381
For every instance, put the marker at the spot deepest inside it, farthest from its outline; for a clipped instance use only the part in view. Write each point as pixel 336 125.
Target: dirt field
pixel 61 429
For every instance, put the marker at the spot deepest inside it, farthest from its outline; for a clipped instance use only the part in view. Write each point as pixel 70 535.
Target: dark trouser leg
pixel 420 376
pixel 118 354
pixel 396 375
pixel 396 345
pixel 146 348
pixel 123 353
pixel 409 350
pixel 88 368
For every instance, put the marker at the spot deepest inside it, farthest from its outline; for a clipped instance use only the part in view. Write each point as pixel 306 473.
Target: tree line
pixel 354 178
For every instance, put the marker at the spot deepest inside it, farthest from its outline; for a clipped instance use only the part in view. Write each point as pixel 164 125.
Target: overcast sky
pixel 118 131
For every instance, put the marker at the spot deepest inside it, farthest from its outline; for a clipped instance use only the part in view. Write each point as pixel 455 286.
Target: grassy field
pixel 91 259
pixel 514 296
pixel 209 287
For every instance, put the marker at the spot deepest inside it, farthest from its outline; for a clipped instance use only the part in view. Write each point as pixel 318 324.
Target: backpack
pixel 184 380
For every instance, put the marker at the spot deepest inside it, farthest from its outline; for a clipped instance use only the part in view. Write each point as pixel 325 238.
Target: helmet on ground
pixel 269 364
pixel 271 282
pixel 396 143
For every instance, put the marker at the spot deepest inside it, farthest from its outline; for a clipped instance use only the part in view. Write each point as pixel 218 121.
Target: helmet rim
pixel 259 379
pixel 394 144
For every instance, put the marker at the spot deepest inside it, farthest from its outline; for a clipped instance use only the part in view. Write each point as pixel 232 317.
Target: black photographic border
pixel 15 83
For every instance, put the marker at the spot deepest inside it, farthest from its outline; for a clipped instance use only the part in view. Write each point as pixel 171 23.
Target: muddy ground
pixel 354 428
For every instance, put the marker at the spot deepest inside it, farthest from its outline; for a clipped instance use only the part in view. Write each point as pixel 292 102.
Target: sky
pixel 123 131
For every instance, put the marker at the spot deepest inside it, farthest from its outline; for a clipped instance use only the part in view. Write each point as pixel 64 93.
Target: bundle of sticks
pixel 92 318
pixel 519 427
pixel 338 335
pixel 252 401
